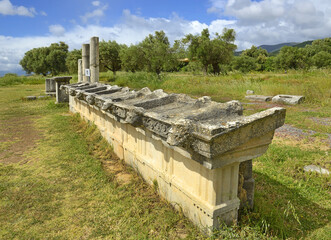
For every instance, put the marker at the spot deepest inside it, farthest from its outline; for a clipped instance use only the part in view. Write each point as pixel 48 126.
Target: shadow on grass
pixel 283 212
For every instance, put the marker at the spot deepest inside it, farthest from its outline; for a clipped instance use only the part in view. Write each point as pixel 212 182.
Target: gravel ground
pixel 322 121
pixel 289 131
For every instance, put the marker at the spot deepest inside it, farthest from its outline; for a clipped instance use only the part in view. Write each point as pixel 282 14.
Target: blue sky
pixel 28 24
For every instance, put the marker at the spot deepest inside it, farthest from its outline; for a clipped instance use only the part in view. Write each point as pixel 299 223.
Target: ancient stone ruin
pixel 199 152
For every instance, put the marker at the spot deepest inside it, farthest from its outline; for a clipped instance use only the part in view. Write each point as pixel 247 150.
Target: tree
pixel 322 59
pixel 56 58
pixel 110 55
pixel 211 51
pixel 259 55
pixel 46 60
pixel 72 60
pixel 244 63
pixel 292 58
pixel 319 52
pixel 132 58
pixel 157 53
pixel 35 60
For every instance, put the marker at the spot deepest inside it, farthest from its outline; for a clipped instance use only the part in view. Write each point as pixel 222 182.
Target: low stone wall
pixel 198 151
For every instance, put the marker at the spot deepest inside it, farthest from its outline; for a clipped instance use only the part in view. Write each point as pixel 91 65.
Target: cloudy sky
pixel 35 23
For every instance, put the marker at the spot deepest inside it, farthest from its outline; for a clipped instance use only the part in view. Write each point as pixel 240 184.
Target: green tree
pixel 177 54
pixel 292 58
pixel 35 60
pixel 45 60
pixel 157 52
pixel 132 58
pixel 244 63
pixel 56 58
pixel 211 51
pixel 259 55
pixel 110 55
pixel 322 59
pixel 319 52
pixel 72 60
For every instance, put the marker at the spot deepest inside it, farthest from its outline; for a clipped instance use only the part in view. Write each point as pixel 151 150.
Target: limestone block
pixel 288 99
pixel 258 98
pixel 200 152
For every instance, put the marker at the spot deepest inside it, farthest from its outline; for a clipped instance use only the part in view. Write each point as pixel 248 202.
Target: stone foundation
pixel 199 152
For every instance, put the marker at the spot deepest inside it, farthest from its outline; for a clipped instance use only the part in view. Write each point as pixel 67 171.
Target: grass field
pixel 60 180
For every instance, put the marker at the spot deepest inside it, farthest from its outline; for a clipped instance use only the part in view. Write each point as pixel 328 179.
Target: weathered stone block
pixel 199 151
pixel 258 98
pixel 50 87
pixel 61 95
pixel 288 99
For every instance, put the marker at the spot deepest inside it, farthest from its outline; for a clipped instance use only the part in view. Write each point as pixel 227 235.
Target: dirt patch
pixel 17 136
pixel 124 178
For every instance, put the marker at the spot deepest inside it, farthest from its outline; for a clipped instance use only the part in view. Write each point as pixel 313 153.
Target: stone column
pixel 85 60
pixel 246 185
pixel 80 70
pixel 61 95
pixel 94 59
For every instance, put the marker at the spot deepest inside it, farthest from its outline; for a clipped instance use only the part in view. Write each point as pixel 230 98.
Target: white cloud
pixel 57 30
pixel 96 14
pixel 275 21
pixel 96 3
pixel 7 8
pixel 43 13
pixel 289 27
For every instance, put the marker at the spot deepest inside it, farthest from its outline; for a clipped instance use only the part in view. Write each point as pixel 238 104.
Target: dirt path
pixel 17 135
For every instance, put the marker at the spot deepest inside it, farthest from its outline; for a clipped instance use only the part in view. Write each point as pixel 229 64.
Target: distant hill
pixel 303 44
pixel 274 49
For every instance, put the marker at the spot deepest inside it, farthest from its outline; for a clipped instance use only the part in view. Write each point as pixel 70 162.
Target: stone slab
pixel 288 99
pixel 258 98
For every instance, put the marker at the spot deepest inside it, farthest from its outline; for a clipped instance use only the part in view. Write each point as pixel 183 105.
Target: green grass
pixel 64 189
pixel 12 79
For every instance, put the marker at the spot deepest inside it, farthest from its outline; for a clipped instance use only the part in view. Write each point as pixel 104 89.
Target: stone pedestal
pixel 61 95
pixel 50 87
